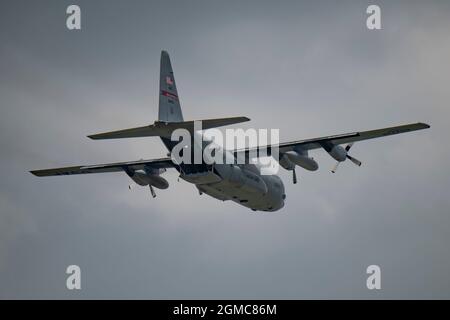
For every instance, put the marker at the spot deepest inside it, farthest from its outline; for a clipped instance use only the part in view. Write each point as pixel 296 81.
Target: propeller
pixel 294 176
pixel 152 191
pixel 354 160
pixel 335 167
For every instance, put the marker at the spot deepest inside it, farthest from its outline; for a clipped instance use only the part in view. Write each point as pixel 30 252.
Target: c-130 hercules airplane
pixel 241 183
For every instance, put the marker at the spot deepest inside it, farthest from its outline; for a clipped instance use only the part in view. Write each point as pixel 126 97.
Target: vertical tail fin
pixel 169 103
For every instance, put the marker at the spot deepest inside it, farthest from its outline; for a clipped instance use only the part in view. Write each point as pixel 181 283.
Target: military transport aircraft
pixel 241 183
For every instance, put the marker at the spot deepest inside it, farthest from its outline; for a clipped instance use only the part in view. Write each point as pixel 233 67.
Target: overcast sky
pixel 309 69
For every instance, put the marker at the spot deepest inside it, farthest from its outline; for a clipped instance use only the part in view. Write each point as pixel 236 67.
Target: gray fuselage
pixel 241 183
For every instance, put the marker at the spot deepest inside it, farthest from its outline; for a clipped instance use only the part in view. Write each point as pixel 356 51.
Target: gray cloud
pixel 310 69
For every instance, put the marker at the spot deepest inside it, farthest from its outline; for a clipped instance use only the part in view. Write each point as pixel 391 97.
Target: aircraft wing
pixel 316 143
pixel 108 167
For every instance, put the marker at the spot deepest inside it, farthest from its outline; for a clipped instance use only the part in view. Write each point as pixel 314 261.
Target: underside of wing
pixel 316 143
pixel 354 137
pixel 108 167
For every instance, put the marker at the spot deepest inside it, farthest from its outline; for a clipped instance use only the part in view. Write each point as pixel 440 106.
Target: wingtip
pixel 423 125
pixel 94 136
pixel 34 173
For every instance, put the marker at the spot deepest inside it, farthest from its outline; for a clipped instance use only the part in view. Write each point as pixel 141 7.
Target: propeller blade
pixel 152 191
pixel 294 176
pixel 355 161
pixel 348 147
pixel 335 167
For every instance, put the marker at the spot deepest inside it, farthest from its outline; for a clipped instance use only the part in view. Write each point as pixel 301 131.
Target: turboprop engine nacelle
pixel 302 160
pixel 144 179
pixel 338 153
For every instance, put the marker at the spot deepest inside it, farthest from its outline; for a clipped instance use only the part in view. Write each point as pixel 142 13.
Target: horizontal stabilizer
pixel 165 129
